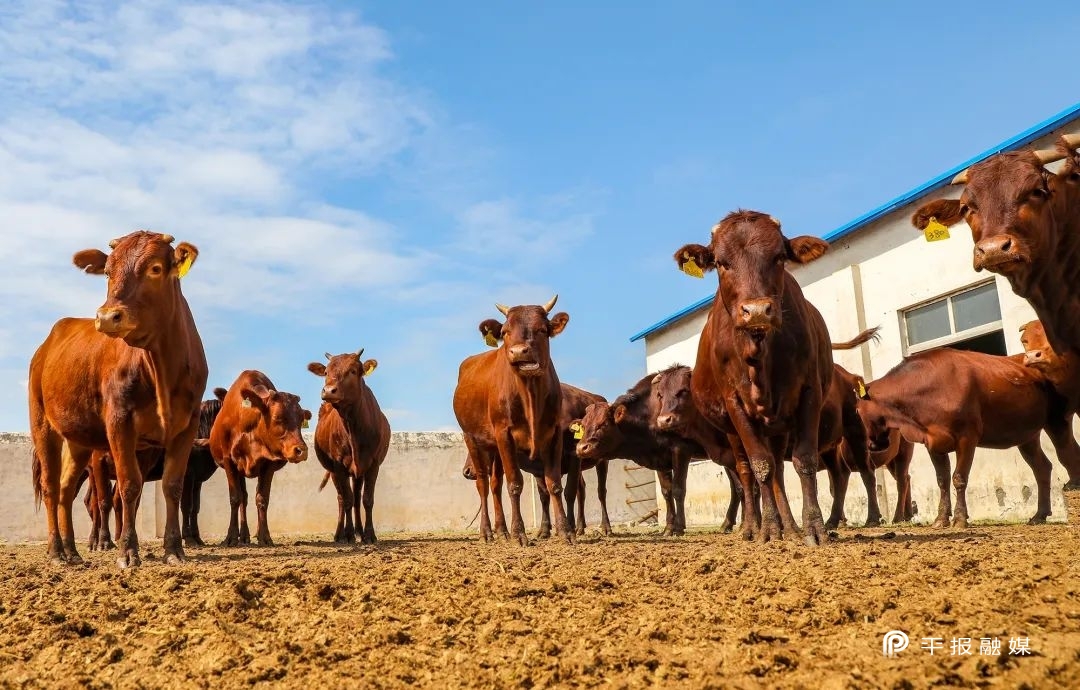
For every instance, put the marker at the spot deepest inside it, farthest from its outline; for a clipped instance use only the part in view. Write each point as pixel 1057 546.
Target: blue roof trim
pixel 1022 139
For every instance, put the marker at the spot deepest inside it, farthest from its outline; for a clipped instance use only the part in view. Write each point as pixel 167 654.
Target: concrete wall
pixel 868 279
pixel 420 489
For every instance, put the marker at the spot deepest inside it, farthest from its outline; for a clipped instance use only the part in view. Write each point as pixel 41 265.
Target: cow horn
pixel 113 243
pixel 167 238
pixel 961 178
pixel 328 356
pixel 1073 140
pixel 360 353
pixel 1046 156
pixel 502 308
pixel 550 305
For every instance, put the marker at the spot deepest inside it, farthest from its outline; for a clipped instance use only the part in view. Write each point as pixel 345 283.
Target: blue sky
pixel 378 175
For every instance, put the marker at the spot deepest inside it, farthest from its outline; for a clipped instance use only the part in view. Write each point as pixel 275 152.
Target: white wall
pixel 868 279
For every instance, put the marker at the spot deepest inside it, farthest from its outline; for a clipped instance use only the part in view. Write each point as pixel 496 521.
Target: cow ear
pixel 860 388
pixel 258 396
pixel 695 260
pixel 557 323
pixel 944 211
pixel 804 249
pixel 91 260
pixel 220 393
pixel 317 368
pixel 184 255
pixel 307 414
pixel 492 332
pixel 620 413
pixel 369 366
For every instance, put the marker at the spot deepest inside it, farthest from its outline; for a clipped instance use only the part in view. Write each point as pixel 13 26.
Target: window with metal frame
pixel 965 319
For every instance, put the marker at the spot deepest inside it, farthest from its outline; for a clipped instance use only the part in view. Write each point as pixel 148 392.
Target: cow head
pixel 344 376
pixel 525 335
pixel 1011 203
pixel 599 430
pixel 1038 353
pixel 280 421
pixel 143 273
pixel 671 391
pixel 874 417
pixel 749 253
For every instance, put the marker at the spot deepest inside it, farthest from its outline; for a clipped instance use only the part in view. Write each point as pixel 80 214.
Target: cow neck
pixel 750 376
pixel 168 360
pixel 533 389
pixel 1052 287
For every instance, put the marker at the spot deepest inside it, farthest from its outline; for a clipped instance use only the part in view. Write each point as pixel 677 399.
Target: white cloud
pixel 498 227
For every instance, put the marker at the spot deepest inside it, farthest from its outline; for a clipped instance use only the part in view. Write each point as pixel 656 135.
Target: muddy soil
pixel 705 610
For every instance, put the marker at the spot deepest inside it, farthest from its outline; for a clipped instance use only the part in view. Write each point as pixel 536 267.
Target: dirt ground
pixel 705 610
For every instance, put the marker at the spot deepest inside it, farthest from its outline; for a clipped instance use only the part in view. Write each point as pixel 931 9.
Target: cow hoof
pixel 544 533
pixel 959 523
pixel 606 530
pixel 369 539
pixel 73 558
pixel 580 531
pixel 129 560
pixel 523 539
pixel 265 541
pixel 570 537
pixel 107 546
pixel 940 523
pixel 230 541
pixel 1037 520
pixel 832 524
pixel 175 559
pixel 874 521
pixel 726 527
pixel 193 541
pixel 1071 485
pixel 57 560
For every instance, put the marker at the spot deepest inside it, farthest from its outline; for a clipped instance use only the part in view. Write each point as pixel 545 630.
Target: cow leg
pixel 482 466
pixel 553 475
pixel 601 493
pixel 357 500
pixel 806 460
pixel 941 472
pixel 751 523
pixel 735 496
pixel 1068 452
pixel 666 481
pixel 262 503
pixel 515 485
pixel 680 468
pixel 965 455
pixel 345 532
pixel 187 505
pixel 235 480
pixel 762 463
pixel 496 473
pixel 369 503
pixel 245 533
pixel 545 509
pixel 839 474
pixel 196 506
pixel 1041 467
pixel 900 468
pixel 779 488
pixel 573 485
pixel 579 507
pixel 90 501
pixel 103 491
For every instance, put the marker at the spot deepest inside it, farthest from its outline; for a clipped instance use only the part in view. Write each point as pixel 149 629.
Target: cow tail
pixel 866 336
pixel 36 471
pixel 325 479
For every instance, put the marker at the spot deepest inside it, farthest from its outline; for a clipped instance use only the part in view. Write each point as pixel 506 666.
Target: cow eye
pixel 155 270
pixel 1038 194
pixel 966 209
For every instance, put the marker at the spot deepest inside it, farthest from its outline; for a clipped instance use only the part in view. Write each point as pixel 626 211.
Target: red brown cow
pixel 100 496
pixel 989 402
pixel 1062 373
pixel 574 403
pixel 351 440
pixel 507 402
pixel 628 429
pixel 256 433
pixel 1025 222
pixel 763 364
pixel 131 378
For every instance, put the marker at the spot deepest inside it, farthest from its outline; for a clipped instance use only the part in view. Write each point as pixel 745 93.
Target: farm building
pixel 881 271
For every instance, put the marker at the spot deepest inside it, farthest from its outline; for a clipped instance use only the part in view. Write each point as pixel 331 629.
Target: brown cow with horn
pixel 351 440
pixel 130 379
pixel 1025 221
pixel 507 401
pixel 764 363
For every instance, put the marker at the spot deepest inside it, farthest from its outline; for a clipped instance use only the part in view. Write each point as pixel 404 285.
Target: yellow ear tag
pixel 245 403
pixel 304 424
pixel 935 231
pixel 578 430
pixel 861 390
pixel 490 340
pixel 691 268
pixel 184 266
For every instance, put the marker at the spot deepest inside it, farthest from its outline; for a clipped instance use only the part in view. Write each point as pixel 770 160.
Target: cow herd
pixel 119 397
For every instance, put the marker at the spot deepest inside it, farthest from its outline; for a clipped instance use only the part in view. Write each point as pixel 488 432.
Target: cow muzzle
pixel 523 359
pixel 1034 358
pixel 667 421
pixel 758 315
pixel 997 254
pixel 298 453
pixel 584 449
pixel 331 394
pixel 113 321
